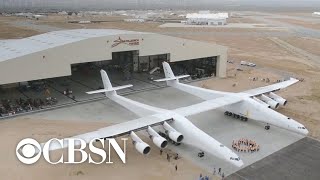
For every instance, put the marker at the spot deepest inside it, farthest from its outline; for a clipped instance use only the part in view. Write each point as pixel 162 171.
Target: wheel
pixel 230 114
pixel 200 154
pixel 245 119
pixel 267 127
pixel 226 113
pixel 237 116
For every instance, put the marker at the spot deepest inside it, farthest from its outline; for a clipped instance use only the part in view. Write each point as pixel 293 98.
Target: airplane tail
pixel 108 89
pixel 173 81
pixel 170 78
pixel 134 106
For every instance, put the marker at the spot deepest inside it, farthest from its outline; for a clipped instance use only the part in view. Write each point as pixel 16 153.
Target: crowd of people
pixel 9 107
pixel 267 80
pixel 245 145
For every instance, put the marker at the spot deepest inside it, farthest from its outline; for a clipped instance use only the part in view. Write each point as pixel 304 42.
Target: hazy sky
pixel 127 4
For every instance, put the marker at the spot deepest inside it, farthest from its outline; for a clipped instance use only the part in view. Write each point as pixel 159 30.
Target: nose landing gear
pixel 200 154
pixel 267 127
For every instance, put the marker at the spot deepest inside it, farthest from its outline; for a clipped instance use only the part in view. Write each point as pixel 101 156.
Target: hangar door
pixel 196 68
pixel 147 63
pixel 127 61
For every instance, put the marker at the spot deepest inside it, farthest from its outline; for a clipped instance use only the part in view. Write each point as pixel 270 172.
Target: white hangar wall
pixel 56 61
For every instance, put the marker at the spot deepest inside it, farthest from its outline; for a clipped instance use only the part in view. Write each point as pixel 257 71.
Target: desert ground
pixel 12 32
pixel 153 166
pixel 268 49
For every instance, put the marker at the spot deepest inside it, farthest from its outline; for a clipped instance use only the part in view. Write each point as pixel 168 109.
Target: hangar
pixel 59 53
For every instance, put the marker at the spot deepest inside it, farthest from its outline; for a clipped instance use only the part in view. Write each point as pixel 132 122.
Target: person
pixel 176 167
pixel 177 156
pixel 214 171
pixel 219 171
pixel 222 176
pixel 160 151
pixel 206 178
pixel 67 91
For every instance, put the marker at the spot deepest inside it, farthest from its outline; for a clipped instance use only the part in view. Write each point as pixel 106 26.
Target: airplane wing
pixel 117 130
pixel 271 88
pixel 208 105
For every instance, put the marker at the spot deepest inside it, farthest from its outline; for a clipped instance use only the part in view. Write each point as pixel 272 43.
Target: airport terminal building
pixel 59 53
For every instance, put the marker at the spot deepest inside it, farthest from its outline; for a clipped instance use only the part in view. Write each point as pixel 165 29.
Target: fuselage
pixel 193 136
pixel 256 111
pixel 248 107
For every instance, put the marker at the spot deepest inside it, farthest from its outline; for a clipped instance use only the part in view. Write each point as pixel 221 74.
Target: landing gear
pixel 237 116
pixel 227 113
pixel 243 118
pixel 267 127
pixel 201 154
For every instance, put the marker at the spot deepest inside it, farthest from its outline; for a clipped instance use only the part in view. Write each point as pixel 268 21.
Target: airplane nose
pixel 239 163
pixel 304 132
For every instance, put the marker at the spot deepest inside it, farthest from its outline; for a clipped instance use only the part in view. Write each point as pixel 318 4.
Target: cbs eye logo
pixel 28 151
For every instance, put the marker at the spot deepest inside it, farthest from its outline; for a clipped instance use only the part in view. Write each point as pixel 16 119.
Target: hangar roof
pixel 207 16
pixel 10 49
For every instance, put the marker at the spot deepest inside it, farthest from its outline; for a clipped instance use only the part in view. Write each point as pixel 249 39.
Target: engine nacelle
pixel 261 102
pixel 157 139
pixel 274 104
pixel 172 133
pixel 277 98
pixel 140 146
pixel 160 142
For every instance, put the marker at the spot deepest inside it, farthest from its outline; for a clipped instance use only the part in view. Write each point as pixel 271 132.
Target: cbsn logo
pixel 29 150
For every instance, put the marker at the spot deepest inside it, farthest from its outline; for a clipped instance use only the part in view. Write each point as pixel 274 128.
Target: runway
pixel 300 160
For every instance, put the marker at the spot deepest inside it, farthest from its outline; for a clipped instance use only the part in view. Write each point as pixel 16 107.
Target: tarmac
pixel 220 127
pixel 300 160
pixel 79 84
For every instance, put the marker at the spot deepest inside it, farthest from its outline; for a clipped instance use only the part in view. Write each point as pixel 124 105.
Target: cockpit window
pixel 301 127
pixel 237 159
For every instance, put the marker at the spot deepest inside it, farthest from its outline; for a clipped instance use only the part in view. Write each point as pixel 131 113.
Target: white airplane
pixel 242 105
pixel 172 122
pixel 253 104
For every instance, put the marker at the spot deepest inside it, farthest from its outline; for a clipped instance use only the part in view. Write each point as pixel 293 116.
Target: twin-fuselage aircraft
pixel 256 104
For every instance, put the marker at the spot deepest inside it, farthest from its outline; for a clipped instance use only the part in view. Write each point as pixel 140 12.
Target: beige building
pixel 53 54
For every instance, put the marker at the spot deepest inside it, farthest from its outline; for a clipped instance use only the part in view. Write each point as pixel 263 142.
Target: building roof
pixel 207 16
pixel 14 48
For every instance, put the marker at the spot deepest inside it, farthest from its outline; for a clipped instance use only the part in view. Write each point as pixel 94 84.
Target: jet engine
pixel 261 102
pixel 140 146
pixel 277 98
pixel 172 133
pixel 274 104
pixel 156 138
